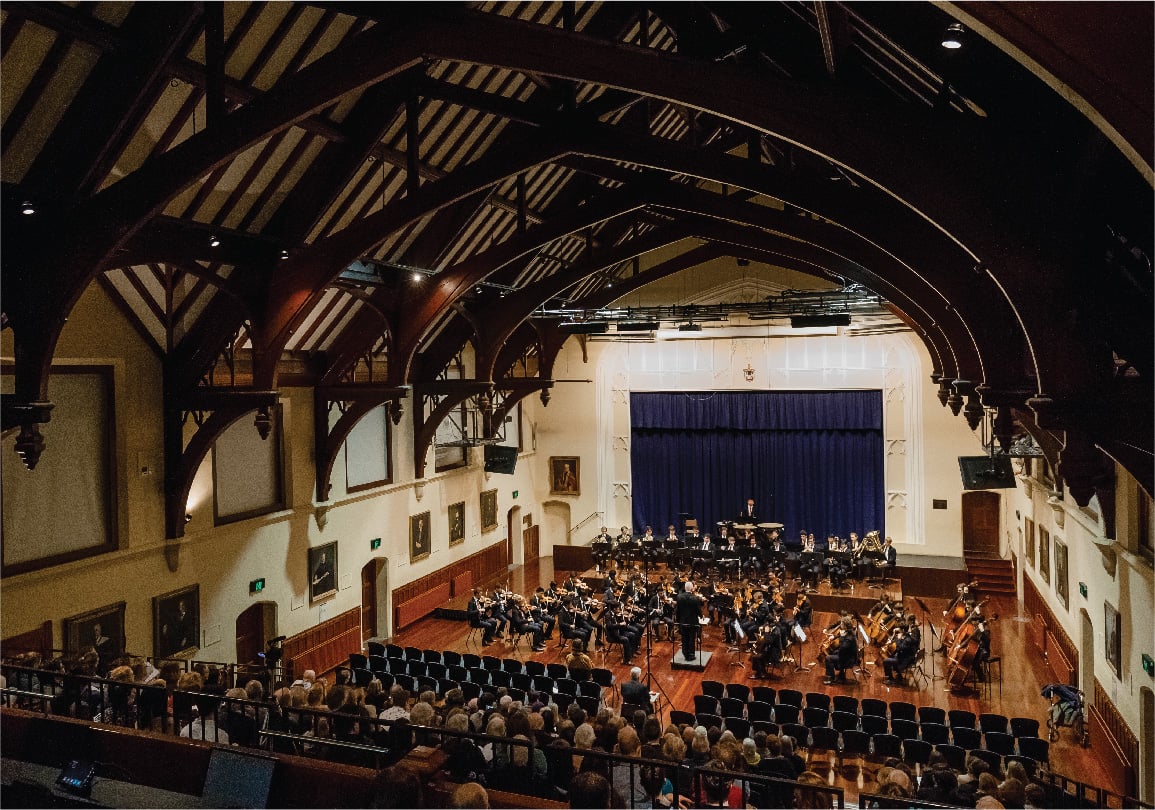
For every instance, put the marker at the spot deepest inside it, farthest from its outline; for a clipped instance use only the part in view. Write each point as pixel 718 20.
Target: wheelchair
pixel 1068 709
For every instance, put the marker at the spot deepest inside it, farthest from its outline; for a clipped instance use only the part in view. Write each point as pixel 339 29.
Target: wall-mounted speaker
pixel 500 459
pixel 984 472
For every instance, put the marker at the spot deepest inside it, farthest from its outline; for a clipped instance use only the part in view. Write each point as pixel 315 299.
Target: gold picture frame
pixel 489 510
pixel 322 571
pixel 176 622
pixel 456 523
pixel 565 475
pixel 419 543
pixel 101 629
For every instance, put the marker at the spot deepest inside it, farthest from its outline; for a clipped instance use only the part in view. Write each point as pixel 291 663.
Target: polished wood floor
pixel 1016 696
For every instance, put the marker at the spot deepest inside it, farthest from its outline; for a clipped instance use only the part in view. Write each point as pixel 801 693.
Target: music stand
pixel 864 640
pixel 800 641
pixel 925 640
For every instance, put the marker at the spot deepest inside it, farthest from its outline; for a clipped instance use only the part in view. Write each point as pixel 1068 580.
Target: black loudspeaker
pixel 500 459
pixel 984 472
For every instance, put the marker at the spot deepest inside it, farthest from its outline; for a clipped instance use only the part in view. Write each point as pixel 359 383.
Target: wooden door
pixel 369 600
pixel 980 515
pixel 530 538
pixel 251 634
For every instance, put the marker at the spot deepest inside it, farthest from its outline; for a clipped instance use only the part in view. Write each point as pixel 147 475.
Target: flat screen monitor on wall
pixel 500 459
pixel 984 472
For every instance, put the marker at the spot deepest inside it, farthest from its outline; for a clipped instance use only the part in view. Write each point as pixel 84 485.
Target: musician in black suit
pixel 671 537
pixel 603 536
pixel 705 545
pixel 905 653
pixel 912 630
pixel 524 624
pixel 889 554
pixel 748 513
pixel 539 609
pixel 845 657
pixel 570 622
pixel 687 610
pixel 477 618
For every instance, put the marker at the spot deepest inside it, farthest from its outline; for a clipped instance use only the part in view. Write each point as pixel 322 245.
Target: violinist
pixel 524 625
pixel 586 620
pixel 619 629
pixel 904 655
pixel 569 622
pixel 572 583
pixel 913 630
pixel 845 656
pixel 803 611
pixel 498 598
pixel 983 654
pixel 542 609
pixel 476 610
pixel 768 650
pixel 660 610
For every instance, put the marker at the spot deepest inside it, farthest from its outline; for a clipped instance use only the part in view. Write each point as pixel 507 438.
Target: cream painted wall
pixel 1112 571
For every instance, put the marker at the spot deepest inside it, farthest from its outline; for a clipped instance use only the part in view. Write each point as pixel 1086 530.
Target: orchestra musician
pixel 619 629
pixel 603 536
pixel 846 655
pixel 803 612
pixel 586 620
pixel 570 622
pixel 543 610
pixel 625 535
pixel 687 611
pixel 905 654
pixel 889 555
pixel 983 654
pixel 660 609
pixel 913 630
pixel 748 513
pixel 476 610
pixel 728 557
pixel 768 650
pixel 672 536
pixel 523 623
pixel 810 567
pixel 706 544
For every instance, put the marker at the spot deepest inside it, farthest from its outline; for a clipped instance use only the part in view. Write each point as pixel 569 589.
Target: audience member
pixel 470 795
pixel 589 791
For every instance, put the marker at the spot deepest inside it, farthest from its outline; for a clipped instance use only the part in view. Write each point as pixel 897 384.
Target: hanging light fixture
pixel 952 40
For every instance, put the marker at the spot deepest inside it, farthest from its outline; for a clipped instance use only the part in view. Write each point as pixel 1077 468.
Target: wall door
pixel 530 539
pixel 369 600
pixel 251 637
pixel 980 515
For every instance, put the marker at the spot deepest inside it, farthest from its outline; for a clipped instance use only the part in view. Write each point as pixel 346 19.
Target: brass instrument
pixel 869 543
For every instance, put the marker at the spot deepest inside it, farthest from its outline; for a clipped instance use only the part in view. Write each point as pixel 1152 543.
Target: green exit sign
pixel 375 544
pixel 515 493
pixel 1083 589
pixel 257 585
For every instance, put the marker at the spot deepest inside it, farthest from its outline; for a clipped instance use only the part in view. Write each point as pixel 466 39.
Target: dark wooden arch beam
pixel 425 427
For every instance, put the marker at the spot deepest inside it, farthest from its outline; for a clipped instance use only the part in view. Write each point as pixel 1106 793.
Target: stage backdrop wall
pixel 810 459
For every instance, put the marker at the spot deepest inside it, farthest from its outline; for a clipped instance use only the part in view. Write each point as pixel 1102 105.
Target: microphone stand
pixel 649 678
pixel 926 640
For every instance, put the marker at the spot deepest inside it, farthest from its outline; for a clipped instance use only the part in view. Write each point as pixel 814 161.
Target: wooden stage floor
pixel 1016 696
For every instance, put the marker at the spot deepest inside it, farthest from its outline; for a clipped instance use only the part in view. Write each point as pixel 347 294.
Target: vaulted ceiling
pixel 346 194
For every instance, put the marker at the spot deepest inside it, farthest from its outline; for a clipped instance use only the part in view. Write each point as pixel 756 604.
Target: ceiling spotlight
pixel 416 277
pixel 187 518
pixel 285 253
pixel 27 208
pixel 952 40
pixel 214 241
pixel 743 262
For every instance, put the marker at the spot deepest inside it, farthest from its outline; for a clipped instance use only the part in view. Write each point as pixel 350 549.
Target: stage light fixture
pixel 585 327
pixel 952 40
pixel 214 241
pixel 690 327
pixel 27 208
pixel 806 321
pixel 637 326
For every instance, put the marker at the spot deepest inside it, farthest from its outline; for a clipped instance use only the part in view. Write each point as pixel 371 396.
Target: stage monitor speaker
pixel 984 472
pixel 500 459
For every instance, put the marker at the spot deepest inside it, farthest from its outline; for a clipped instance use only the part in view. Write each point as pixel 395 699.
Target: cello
pixel 961 658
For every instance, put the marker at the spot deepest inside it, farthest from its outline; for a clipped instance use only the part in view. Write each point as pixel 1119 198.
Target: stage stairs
pixel 994 574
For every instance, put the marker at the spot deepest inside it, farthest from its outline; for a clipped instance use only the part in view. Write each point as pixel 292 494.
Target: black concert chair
pixel 358 661
pixel 824 740
pixel 757 710
pixel 604 678
pixel 844 721
pixel 436 669
pixel 707 704
pixel 517 694
pixel 407 682
pixel 792 697
pixel 394 651
pixel 534 668
pixel 451 658
pixel 960 718
pixel 470 690
pixel 417 668
pixel 1024 727
pixel 739 691
pixel 764 726
pixel 512 666
pixel 501 678
pixel 732 707
pixel 799 732
pixel 818 700
pixel 956 757
pixel 739 726
pixel 785 713
pixel 855 743
pixel 901 710
pixel 543 684
pixel 522 681
pixel 904 729
pixel 375 648
pixel 412 653
pixel 715 689
pixel 846 703
pixel 916 752
pixel 590 704
pixel 444 685
pixel 994 722
pixel 814 717
pixel 966 738
pixel 935 733
pixel 874 706
pixel 378 663
pixel 556 671
pixel 563 702
pixel 886 745
pixel 995 760
pixel 431 656
pixel 999 742
pixel 931 714
pixel 679 718
pixel 1028 762
pixel 491 662
pixel 873 724
pixel 766 694
pixel 479 676
pixel 458 673
pixel 567 686
pixel 709 720
pixel 470 660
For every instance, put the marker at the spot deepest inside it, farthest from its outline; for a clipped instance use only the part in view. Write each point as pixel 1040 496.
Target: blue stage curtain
pixel 810 459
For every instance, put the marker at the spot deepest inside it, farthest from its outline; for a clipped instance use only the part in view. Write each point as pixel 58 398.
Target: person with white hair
pixel 688 609
pixel 635 692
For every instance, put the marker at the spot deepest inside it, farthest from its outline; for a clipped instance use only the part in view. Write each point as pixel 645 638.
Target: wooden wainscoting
pixel 325 645
pixel 1057 639
pixel 479 566
pixel 1120 751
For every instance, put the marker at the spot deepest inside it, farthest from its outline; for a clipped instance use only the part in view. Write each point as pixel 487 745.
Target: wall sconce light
pixel 748 372
pixel 187 517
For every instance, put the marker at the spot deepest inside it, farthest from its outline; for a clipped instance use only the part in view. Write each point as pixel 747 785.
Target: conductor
pixel 688 609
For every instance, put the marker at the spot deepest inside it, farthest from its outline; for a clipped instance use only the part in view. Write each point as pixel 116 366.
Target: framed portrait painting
pixel 176 622
pixel 564 475
pixel 322 571
pixel 1029 535
pixel 456 523
pixel 489 510
pixel 1112 636
pixel 101 629
pixel 418 537
pixel 1045 555
pixel 1061 572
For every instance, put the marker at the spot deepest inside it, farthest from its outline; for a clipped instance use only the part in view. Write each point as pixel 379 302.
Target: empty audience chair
pixel 874 707
pixel 470 660
pixel 993 759
pixel 435 669
pixel 375 648
pixel 956 757
pixel 823 739
pixel 358 661
pixel 706 703
pixel 444 685
pixel 412 653
pixel 786 713
pixel 680 718
pixel 916 752
pixel 451 658
pixel 386 679
pixel 844 721
pixel 590 689
pixel 378 663
pixel 732 707
pixel 715 689
pixel 1035 748
pixel 512 665
pixel 999 742
pixel 590 704
pixel 417 668
pixel 765 694
pixel 1024 727
pixel 479 676
pixel 521 681
pixel 534 668
pixel 901 710
pixel 994 722
pixel 406 682
pixel 819 700
pixel 757 710
pixel 765 727
pixel 855 743
pixel 935 733
pixel 846 703
pixel 960 718
pixel 500 678
pixel 458 673
pixel 556 671
pixel 904 729
pixel 543 683
pixel 966 738
pixel 886 745
pixel 427 684
pixel 491 662
pixel 814 717
pixel 738 691
pixel 604 678
pixel 361 677
pixel 563 702
pixel 470 690
pixel 931 714
pixel 791 697
pixel 567 686
pixel 431 656
pixel 873 724
pixel 394 651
